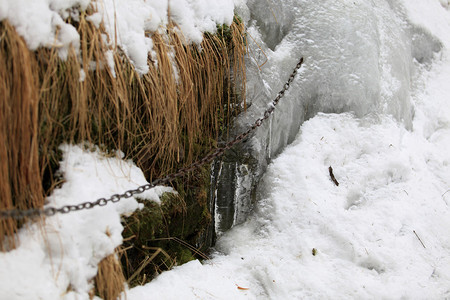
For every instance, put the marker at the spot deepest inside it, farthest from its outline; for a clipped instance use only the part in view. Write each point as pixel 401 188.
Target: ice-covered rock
pixel 360 56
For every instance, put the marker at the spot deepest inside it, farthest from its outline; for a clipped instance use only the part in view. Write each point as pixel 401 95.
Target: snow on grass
pixel 59 259
pixel 38 22
pixel 129 23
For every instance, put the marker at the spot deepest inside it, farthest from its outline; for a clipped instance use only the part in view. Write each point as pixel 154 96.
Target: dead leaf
pixel 242 288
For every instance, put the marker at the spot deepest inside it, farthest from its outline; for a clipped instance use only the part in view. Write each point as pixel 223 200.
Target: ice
pixel 360 57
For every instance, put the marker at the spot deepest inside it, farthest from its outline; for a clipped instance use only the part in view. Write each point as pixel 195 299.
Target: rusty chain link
pixel 50 211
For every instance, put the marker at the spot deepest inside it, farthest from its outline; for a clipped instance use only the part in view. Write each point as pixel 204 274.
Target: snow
pixel 129 20
pixel 39 21
pixel 59 259
pixel 392 185
pixel 384 232
pixel 431 15
pixel 128 23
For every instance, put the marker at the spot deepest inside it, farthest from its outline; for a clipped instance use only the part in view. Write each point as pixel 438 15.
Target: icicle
pixel 270 137
pixel 217 215
pixel 242 203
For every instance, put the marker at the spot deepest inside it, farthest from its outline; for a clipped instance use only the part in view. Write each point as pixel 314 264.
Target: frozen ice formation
pixel 360 57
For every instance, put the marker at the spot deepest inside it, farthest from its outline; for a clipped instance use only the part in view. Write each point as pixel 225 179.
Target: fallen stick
pixel 332 176
pixel 419 239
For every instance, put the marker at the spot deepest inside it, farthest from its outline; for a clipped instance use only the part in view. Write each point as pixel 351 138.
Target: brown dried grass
pixel 20 181
pixel 109 282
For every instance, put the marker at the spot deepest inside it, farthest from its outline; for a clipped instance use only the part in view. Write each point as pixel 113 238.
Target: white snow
pixel 59 259
pixel 129 20
pixel 383 233
pixel 359 57
pixel 129 23
pixel 41 23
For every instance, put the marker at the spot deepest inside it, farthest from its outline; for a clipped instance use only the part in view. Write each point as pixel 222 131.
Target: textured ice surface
pixel 360 57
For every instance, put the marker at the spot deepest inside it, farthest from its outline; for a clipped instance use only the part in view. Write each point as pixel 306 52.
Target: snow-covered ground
pixel 383 233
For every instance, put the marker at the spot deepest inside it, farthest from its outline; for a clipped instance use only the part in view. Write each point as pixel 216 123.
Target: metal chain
pixel 50 211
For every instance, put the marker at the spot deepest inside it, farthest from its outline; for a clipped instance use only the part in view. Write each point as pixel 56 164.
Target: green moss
pixel 224 31
pixel 174 226
pixel 185 255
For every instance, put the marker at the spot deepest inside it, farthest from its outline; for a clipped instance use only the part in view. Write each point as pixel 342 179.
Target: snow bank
pixel 129 23
pixel 59 259
pixel 431 17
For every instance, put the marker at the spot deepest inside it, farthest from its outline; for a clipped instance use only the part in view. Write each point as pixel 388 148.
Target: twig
pixel 419 239
pixel 129 238
pixel 146 261
pixel 144 264
pixel 125 249
pixel 332 176
pixel 185 244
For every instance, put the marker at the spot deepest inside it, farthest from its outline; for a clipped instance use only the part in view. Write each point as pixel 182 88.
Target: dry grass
pixel 162 120
pixel 20 181
pixel 109 282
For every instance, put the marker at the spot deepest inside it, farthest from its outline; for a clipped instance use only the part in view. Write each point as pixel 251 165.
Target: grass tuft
pixel 109 282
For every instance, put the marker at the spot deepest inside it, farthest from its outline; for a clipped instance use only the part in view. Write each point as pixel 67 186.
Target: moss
pixel 175 226
pixel 224 31
pixel 185 256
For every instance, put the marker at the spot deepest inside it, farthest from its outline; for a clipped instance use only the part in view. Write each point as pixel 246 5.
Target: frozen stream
pixel 372 101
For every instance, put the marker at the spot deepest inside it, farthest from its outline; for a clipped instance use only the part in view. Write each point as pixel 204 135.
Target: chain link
pixel 213 154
